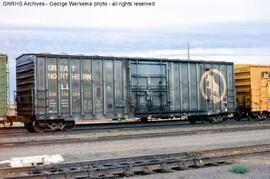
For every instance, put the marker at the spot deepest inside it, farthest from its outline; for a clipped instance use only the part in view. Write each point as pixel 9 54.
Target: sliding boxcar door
pixel 149 86
pixel 98 91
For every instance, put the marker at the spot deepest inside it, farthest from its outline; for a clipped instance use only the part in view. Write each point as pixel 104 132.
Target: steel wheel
pixel 29 126
pixel 38 127
pixel 69 126
pixel 7 123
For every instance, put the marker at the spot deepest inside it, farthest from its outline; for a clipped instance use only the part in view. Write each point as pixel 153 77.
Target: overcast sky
pixel 224 28
pixel 227 30
pixel 166 12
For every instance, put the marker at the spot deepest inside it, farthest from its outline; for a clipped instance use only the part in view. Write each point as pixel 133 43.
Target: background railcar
pixel 56 90
pixel 3 87
pixel 253 90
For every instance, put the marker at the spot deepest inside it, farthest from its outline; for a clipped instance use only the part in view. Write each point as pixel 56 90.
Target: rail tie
pixel 135 165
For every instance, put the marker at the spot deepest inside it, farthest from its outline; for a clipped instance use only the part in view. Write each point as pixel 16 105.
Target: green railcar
pixel 3 85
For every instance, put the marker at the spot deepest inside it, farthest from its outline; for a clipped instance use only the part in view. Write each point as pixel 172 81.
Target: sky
pixel 223 30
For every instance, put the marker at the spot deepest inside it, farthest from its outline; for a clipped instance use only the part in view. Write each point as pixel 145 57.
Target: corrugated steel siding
pixel 253 87
pixel 181 87
pixel 78 88
pixel 202 87
pixel 3 85
pixel 93 87
pixel 25 82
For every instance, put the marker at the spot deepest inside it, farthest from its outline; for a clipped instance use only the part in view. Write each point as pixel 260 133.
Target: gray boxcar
pixel 55 90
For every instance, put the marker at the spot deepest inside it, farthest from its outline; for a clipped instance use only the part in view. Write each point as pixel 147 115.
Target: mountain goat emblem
pixel 210 86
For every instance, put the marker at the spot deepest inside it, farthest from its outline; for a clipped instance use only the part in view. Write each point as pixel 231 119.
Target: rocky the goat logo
pixel 215 94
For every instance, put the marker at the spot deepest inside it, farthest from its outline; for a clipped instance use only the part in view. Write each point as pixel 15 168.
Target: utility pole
pixel 188 55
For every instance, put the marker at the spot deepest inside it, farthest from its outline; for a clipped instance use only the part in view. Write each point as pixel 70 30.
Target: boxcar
pixel 3 85
pixel 56 90
pixel 253 90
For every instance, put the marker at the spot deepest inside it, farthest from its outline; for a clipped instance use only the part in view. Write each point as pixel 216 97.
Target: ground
pixel 259 169
pixel 142 146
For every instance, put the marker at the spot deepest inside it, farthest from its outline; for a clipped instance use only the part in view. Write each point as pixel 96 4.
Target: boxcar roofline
pixel 121 57
pixel 252 65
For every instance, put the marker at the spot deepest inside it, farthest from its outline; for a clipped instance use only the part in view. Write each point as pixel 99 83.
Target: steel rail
pixel 140 126
pixel 126 137
pixel 135 165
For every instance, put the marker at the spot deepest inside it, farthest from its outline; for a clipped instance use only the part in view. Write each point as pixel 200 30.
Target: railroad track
pixel 120 167
pixel 18 131
pixel 111 137
pixel 105 126
pixel 9 130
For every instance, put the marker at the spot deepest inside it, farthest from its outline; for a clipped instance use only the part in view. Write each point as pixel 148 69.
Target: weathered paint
pixel 3 85
pixel 95 87
pixel 253 87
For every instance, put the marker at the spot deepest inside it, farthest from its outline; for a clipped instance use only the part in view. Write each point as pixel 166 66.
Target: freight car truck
pixel 53 91
pixel 253 90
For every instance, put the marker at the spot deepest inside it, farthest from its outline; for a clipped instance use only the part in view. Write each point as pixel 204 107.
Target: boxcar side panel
pixel 185 86
pixel 193 88
pixel 25 82
pixel 198 88
pixel 253 87
pixel 52 88
pixel 201 88
pixel 243 86
pixel 80 88
pixel 216 87
pixel 231 94
pixel 260 88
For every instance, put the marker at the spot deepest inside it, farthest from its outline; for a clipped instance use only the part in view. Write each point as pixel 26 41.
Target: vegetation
pixel 239 168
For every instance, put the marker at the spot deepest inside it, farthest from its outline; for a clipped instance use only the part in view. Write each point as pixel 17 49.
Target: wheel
pixel 69 125
pixel 214 119
pixel 250 116
pixel 256 116
pixel 263 116
pixel 144 119
pixel 210 120
pixel 205 120
pixel 238 116
pixel 7 123
pixel 217 119
pixel 192 121
pixel 53 125
pixel 38 126
pixel 29 126
pixel 61 126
